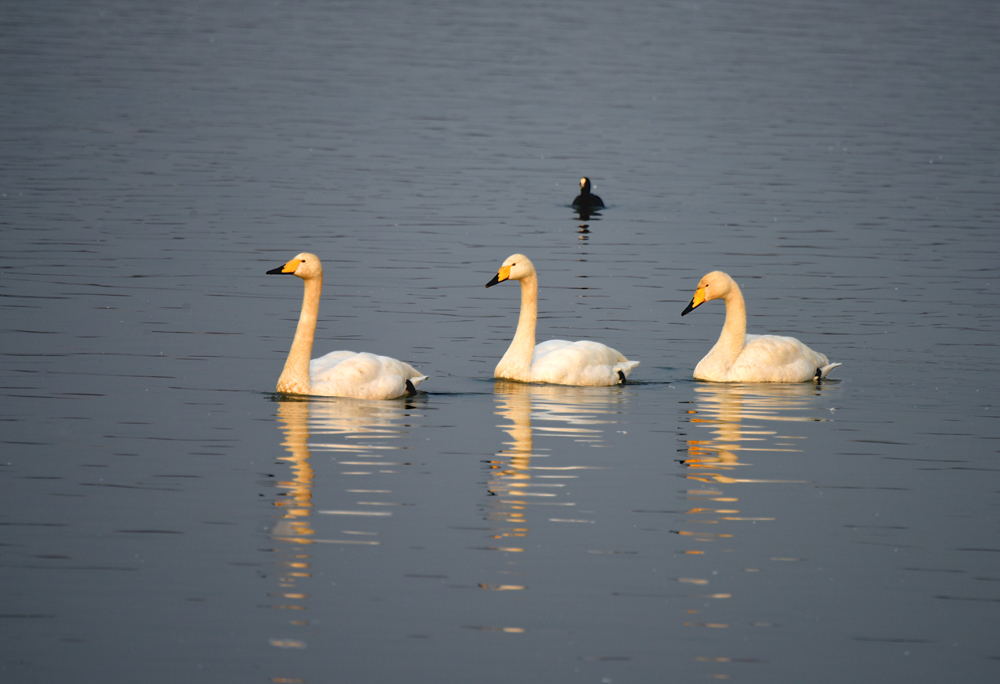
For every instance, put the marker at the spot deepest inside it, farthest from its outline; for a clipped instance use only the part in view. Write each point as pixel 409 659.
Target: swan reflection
pixel 738 417
pixel 729 424
pixel 521 477
pixel 295 495
pixel 357 432
pixel 361 434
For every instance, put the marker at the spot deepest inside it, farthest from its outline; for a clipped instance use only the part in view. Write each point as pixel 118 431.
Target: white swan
pixel 557 361
pixel 738 357
pixel 339 373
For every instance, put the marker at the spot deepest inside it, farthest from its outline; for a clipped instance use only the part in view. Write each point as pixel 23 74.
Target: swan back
pixel 582 363
pixel 361 375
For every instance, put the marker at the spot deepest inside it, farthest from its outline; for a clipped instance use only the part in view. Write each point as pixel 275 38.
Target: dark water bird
pixel 586 199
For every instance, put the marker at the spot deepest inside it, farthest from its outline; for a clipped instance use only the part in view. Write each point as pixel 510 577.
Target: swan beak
pixel 287 269
pixel 501 276
pixel 696 301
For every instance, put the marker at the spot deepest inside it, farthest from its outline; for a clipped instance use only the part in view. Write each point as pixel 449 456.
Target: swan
pixel 558 362
pixel 585 199
pixel 339 373
pixel 738 357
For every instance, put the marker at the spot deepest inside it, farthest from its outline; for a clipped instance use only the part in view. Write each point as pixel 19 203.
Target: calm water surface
pixel 167 518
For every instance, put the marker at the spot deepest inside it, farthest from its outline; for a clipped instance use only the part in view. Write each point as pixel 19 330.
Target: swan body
pixel 558 362
pixel 738 357
pixel 585 199
pixel 339 373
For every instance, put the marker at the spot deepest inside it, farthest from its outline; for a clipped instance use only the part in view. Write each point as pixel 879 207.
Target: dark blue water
pixel 165 517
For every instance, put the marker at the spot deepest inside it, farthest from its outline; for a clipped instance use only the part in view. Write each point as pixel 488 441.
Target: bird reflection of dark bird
pixel 584 215
pixel 587 200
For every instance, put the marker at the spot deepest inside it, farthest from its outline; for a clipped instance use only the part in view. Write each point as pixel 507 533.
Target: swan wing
pixel 776 358
pixel 361 375
pixel 578 363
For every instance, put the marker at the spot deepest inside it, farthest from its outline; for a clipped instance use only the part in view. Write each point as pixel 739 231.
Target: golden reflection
pixel 361 435
pixel 728 425
pixel 732 414
pixel 740 420
pixel 520 477
pixel 295 495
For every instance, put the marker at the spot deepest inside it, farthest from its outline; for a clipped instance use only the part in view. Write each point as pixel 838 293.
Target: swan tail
pixel 414 381
pixel 823 371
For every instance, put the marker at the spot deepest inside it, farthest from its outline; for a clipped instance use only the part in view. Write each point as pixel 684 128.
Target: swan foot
pixel 410 389
pixel 621 378
pixel 817 378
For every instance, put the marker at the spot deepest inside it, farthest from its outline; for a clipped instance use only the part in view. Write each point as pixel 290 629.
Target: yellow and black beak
pixel 287 269
pixel 696 301
pixel 502 275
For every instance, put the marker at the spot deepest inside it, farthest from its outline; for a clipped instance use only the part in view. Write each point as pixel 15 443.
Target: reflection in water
pixel 360 433
pixel 297 504
pixel 517 480
pixel 742 420
pixel 728 411
pixel 583 216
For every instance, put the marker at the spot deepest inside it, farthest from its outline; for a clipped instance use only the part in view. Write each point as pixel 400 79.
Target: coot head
pixel 586 198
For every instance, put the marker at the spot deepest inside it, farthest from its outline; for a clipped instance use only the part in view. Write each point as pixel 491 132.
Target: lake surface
pixel 166 517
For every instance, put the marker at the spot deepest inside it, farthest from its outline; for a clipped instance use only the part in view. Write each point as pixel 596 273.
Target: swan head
pixel 715 285
pixel 514 267
pixel 584 186
pixel 304 265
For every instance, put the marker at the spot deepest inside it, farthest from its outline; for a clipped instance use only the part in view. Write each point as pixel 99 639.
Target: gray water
pixel 167 518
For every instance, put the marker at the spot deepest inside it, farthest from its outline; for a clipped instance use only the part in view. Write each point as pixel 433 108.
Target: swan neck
pixel 295 376
pixel 516 363
pixel 734 330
